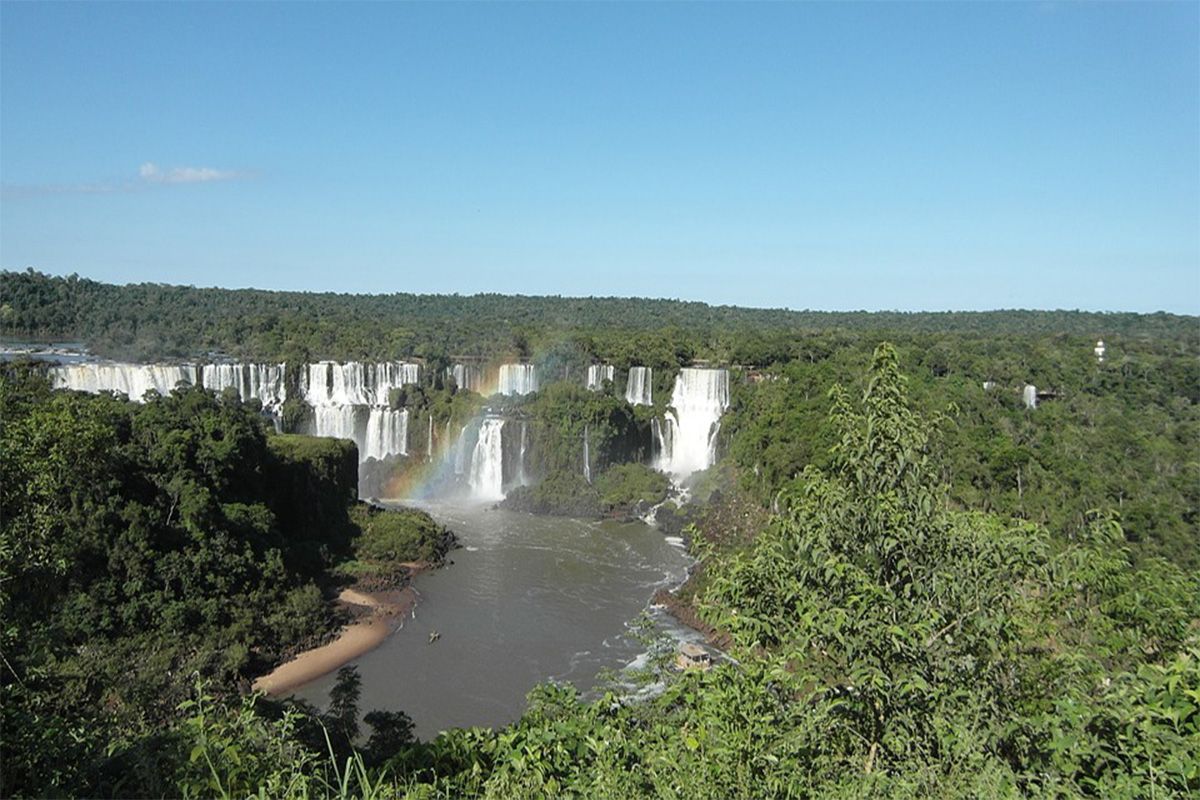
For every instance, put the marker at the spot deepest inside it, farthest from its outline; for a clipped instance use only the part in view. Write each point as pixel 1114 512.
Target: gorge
pixel 551 597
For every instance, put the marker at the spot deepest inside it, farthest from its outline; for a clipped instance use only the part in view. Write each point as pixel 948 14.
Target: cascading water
pixel 517 379
pixel 1029 396
pixel 429 441
pixel 487 462
pixel 689 441
pixel 133 380
pixel 657 443
pixel 328 383
pixel 262 382
pixel 638 388
pixel 460 452
pixel 521 480
pixel 339 422
pixel 597 374
pixel 468 377
pixel 386 435
pixel 587 456
pixel 350 401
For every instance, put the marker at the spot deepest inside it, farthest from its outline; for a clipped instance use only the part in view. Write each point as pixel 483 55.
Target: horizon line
pixel 682 301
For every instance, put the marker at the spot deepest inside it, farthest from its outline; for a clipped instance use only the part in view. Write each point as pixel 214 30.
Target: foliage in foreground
pixel 886 645
pixel 142 544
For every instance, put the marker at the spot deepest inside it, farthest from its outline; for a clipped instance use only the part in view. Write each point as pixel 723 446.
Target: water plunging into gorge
pixel 528 598
pixel 688 442
pixel 487 462
pixel 597 374
pixel 639 390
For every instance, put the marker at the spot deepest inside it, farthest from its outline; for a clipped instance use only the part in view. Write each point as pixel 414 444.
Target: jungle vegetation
pixel 145 546
pixel 925 588
pixel 156 321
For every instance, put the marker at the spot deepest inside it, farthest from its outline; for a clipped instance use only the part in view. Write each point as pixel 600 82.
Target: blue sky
pixel 937 156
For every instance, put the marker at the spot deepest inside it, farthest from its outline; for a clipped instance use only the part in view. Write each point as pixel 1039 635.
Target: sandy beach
pixel 387 611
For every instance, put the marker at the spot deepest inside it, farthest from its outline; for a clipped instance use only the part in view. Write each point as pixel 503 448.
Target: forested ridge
pixel 926 588
pixel 154 321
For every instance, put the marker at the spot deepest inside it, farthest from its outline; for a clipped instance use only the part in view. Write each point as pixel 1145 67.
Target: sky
pixel 810 156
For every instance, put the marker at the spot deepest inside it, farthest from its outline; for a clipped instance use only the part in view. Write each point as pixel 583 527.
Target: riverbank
pixel 380 614
pixel 727 523
pixel 393 545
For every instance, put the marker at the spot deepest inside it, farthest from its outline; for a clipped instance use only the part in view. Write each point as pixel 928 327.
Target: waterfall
pixel 460 454
pixel 597 374
pixel 350 401
pixel 638 389
pixel 340 422
pixel 377 432
pixel 446 446
pixel 521 480
pixel 517 379
pixel 328 383
pixel 262 382
pixel 689 441
pixel 387 434
pixel 1029 396
pixel 657 445
pixel 487 462
pixel 468 377
pixel 133 380
pixel 429 442
pixel 587 457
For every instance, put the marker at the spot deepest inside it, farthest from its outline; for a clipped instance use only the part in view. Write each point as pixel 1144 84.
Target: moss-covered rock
pixel 562 494
pixel 628 487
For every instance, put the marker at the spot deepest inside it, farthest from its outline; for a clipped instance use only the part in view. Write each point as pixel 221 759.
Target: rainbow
pixel 420 480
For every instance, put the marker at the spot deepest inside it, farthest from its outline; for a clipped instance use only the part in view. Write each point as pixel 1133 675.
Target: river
pixel 526 599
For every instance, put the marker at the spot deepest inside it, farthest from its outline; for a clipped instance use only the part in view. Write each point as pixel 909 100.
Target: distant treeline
pixel 148 321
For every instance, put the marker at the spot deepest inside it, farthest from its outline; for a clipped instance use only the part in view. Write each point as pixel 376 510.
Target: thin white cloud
pixel 149 175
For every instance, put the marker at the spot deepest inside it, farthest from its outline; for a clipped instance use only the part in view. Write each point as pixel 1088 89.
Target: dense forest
pixel 156 321
pixel 144 547
pixel 924 587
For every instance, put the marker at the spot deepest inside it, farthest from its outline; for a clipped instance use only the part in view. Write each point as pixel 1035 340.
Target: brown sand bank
pixel 387 610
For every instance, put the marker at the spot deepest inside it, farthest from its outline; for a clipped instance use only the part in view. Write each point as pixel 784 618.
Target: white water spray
pixel 517 379
pixel 429 442
pixel 638 388
pixel 597 374
pixel 467 377
pixel 487 462
pixel 328 383
pixel 262 382
pixel 133 380
pixel 587 457
pixel 690 436
pixel 460 452
pixel 521 479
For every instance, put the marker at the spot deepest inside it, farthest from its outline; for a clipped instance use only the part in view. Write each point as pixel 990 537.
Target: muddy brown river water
pixel 527 599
